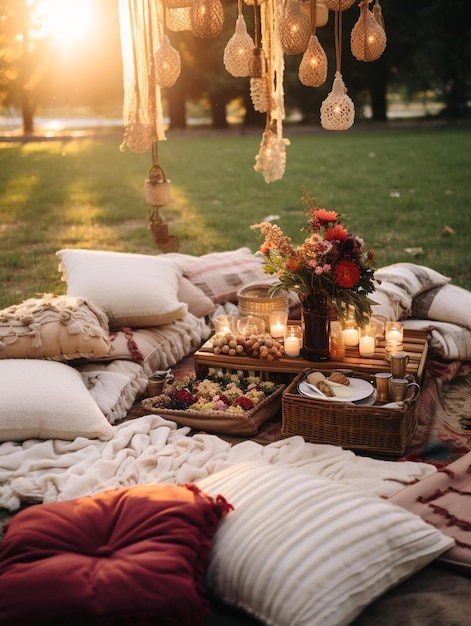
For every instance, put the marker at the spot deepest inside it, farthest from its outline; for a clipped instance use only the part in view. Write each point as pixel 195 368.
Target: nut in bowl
pixel 260 346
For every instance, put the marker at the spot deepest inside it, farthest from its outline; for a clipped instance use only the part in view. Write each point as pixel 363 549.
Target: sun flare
pixel 65 22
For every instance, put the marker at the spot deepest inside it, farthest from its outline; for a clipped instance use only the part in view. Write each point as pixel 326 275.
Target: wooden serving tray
pixel 415 344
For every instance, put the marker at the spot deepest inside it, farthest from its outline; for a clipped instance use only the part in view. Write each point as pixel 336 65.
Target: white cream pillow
pixel 300 550
pixel 42 399
pixel 136 290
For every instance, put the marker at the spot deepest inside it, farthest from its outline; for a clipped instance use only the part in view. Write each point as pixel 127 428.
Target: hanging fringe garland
pixel 141 26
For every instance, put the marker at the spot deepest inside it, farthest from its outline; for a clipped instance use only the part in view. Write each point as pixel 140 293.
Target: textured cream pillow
pixel 300 550
pixel 54 327
pixel 136 290
pixel 42 399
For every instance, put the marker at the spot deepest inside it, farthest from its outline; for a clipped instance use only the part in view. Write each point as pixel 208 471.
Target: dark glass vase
pixel 315 318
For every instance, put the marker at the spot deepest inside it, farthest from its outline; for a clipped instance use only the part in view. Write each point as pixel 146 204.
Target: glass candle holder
pixel 293 341
pixel 350 333
pixel 367 341
pixel 337 345
pixel 278 324
pixel 250 325
pixel 393 338
pixel 224 324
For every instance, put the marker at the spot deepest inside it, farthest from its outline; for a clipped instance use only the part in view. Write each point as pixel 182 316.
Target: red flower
pixel 346 274
pixel 265 247
pixel 185 396
pixel 245 403
pixel 337 233
pixel 324 217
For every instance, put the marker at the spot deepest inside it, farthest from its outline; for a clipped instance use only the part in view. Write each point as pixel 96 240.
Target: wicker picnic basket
pixel 384 431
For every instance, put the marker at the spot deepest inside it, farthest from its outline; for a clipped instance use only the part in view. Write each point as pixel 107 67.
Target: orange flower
pixel 337 233
pixel 346 274
pixel 324 217
pixel 293 264
pixel 265 247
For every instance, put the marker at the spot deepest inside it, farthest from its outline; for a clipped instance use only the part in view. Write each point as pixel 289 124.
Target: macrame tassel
pixel 313 67
pixel 207 18
pixel 378 14
pixel 167 63
pixel 260 94
pixel 337 110
pixel 368 38
pixel 295 28
pixel 271 159
pixel 339 5
pixel 238 51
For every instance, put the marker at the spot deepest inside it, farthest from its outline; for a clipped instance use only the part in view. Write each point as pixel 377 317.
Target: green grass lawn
pixel 397 188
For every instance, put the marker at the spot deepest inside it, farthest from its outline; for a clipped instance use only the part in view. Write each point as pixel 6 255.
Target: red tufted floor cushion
pixel 132 556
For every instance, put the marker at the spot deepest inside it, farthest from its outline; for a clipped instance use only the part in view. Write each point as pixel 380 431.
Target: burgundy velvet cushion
pixel 127 556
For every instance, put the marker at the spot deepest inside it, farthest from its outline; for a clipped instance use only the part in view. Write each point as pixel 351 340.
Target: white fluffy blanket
pixel 151 449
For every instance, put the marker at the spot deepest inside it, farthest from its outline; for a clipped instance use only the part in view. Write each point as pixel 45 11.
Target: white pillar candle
pixel 350 337
pixel 277 330
pixel 367 346
pixel 292 345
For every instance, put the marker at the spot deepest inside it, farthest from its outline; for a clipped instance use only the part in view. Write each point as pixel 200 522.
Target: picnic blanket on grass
pixel 151 449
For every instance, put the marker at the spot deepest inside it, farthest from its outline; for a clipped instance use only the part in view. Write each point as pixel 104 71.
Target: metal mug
pixel 401 389
pixel 399 362
pixel 382 386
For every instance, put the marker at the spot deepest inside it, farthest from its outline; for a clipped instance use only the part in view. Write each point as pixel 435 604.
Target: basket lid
pixel 260 292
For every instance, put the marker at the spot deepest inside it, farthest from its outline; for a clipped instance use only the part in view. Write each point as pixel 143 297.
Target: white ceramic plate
pixel 361 389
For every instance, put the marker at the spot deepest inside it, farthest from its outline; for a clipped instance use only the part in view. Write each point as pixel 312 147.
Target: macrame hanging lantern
pixel 339 5
pixel 313 67
pixel 368 38
pixel 271 159
pixel 322 12
pixel 167 63
pixel 178 19
pixel 239 50
pixel 295 28
pixel 207 18
pixel 337 110
pixel 177 4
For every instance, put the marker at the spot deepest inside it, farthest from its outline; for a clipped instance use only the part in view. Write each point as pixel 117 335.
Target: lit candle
pixel 277 330
pixel 394 335
pixel 292 345
pixel 350 337
pixel 367 346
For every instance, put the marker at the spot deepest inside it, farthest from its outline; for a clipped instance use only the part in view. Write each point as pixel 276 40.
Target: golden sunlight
pixel 65 21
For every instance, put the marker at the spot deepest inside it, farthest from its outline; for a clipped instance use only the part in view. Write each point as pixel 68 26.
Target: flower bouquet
pixel 223 403
pixel 331 262
pixel 330 272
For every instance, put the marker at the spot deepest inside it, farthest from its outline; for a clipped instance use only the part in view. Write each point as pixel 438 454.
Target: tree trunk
pixel 176 106
pixel 27 110
pixel 217 104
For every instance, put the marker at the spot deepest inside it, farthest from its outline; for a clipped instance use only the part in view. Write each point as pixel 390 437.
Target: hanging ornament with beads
pixel 238 50
pixel 368 37
pixel 338 110
pixel 313 67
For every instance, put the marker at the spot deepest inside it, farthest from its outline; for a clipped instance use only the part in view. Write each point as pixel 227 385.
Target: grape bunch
pixel 257 346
